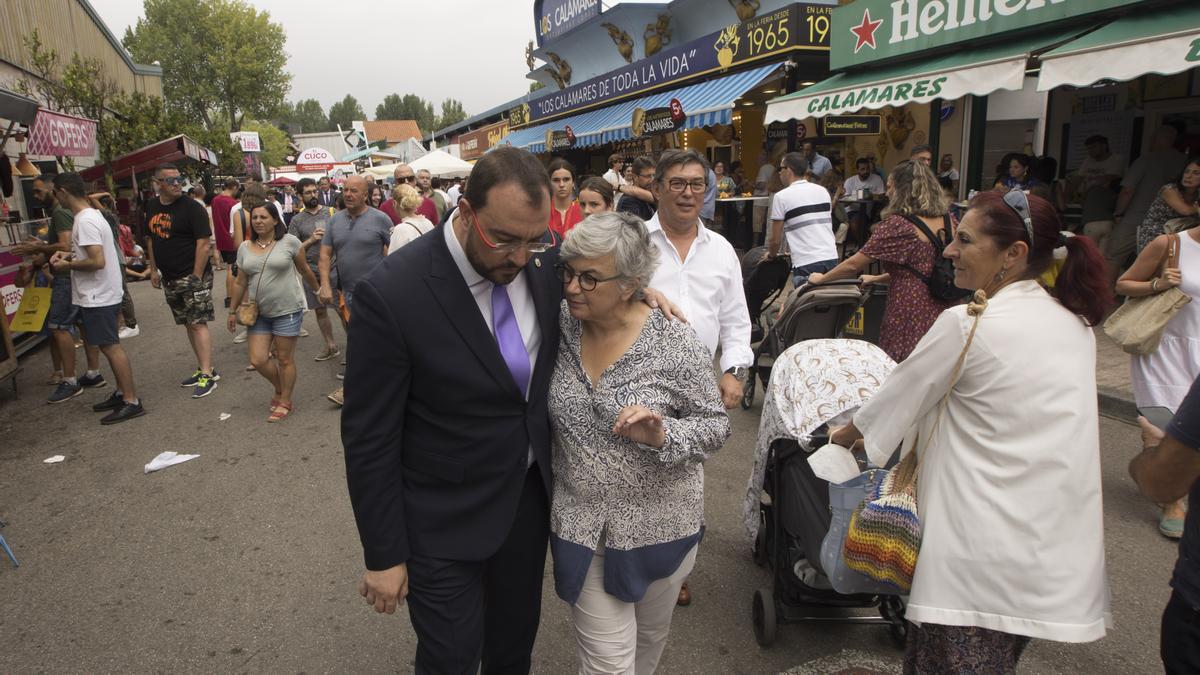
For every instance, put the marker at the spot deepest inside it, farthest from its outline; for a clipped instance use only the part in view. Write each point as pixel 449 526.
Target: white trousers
pixel 622 637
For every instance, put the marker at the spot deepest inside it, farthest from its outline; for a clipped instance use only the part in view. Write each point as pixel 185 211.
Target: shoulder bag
pixel 883 536
pixel 247 310
pixel 1138 325
pixel 941 278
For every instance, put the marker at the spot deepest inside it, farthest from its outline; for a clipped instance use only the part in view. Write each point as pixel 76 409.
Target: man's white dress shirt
pixel 707 287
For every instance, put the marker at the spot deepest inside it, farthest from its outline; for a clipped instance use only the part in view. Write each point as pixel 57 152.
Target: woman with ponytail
pixel 907 255
pixel 1008 481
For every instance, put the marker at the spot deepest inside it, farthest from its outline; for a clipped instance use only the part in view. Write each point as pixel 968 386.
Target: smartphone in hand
pixel 1158 416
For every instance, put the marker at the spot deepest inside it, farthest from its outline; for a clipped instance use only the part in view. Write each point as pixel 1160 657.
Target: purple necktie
pixel 508 336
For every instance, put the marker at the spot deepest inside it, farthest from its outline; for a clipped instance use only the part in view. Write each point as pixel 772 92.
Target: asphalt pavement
pixel 246 559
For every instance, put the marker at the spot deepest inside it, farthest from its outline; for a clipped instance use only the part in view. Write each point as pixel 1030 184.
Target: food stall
pixel 18 113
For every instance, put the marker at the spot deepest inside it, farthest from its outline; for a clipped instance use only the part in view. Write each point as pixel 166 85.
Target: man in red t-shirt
pixel 405 174
pixel 222 204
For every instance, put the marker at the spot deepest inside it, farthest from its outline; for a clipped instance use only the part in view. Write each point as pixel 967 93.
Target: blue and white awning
pixel 706 104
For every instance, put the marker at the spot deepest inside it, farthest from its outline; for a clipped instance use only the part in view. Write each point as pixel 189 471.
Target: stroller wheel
pixel 760 546
pixel 748 392
pixel 764 617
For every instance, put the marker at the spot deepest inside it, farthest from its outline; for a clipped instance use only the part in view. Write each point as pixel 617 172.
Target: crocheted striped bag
pixel 885 531
pixel 884 536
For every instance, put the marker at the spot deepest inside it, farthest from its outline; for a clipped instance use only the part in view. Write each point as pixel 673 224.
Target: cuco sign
pixel 314 159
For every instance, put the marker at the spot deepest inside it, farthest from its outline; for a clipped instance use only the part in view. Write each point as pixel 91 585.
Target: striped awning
pixel 705 103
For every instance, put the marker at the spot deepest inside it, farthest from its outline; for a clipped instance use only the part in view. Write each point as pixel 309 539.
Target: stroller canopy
pixel 811 383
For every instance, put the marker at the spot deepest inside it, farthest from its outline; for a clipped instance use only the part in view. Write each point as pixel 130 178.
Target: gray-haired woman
pixel 635 411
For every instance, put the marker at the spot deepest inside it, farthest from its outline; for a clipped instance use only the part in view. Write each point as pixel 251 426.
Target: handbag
pixel 247 310
pixel 883 537
pixel 1138 325
pixel 844 500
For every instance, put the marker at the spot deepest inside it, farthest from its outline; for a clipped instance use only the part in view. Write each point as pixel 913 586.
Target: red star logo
pixel 865 31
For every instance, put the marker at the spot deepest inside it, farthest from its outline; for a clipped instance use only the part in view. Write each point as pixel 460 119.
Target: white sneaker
pixel 126 332
pixel 239 338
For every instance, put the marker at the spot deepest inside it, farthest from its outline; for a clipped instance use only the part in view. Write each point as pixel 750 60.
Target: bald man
pixel 357 238
pixel 405 174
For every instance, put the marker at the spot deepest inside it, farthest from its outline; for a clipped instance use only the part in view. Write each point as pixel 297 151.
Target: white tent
pixel 442 164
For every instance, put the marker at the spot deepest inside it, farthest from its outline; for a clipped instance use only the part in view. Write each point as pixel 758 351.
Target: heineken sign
pixel 866 31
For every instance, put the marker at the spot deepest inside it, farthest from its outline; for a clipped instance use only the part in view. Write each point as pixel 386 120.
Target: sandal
pixel 274 403
pixel 280 411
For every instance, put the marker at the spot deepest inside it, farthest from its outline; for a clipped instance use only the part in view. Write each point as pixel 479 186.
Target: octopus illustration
pixel 621 39
pixel 746 9
pixel 658 34
pixel 900 124
pixel 727 46
pixel 560 70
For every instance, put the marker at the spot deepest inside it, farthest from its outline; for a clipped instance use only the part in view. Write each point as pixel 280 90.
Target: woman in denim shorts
pixel 271 267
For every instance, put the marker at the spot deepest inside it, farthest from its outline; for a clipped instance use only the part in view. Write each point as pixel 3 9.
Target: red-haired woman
pixel 1009 481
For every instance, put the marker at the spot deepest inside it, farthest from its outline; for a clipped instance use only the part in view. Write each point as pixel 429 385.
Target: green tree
pixel 306 116
pixel 275 143
pixel 344 112
pixel 452 113
pixel 222 60
pixel 408 107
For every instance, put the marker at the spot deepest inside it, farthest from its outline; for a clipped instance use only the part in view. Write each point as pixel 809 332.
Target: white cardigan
pixel 1009 488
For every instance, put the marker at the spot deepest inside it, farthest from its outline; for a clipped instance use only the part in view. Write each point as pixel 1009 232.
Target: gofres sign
pixel 62 135
pixel 555 17
pixel 871 30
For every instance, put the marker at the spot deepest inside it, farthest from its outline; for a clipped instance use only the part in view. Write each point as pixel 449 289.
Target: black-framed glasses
pixel 679 184
pixel 587 280
pixel 1019 202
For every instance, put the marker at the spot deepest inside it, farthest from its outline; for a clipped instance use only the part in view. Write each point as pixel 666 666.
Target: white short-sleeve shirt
pixel 95 288
pixel 807 215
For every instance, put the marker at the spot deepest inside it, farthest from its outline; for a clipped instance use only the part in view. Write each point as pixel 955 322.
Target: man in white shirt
pixel 858 214
pixel 700 273
pixel 948 172
pixel 803 211
pixel 818 164
pixel 615 164
pixel 96 290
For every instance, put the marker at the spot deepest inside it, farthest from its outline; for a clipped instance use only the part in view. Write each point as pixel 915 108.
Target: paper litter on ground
pixel 166 459
pixel 53 460
pixel 224 416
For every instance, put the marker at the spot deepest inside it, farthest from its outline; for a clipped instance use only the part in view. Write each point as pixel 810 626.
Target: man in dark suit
pixel 326 194
pixel 445 426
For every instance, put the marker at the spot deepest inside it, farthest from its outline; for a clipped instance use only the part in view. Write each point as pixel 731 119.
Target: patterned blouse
pixel 645 505
pixel 910 309
pixel 1156 217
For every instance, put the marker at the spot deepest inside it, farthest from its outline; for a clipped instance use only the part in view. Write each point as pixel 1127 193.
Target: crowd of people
pixel 530 380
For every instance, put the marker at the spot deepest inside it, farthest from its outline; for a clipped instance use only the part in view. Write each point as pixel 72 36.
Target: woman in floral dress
pixel 904 253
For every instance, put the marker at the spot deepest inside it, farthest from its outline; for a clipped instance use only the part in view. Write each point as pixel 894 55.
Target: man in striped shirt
pixel 803 211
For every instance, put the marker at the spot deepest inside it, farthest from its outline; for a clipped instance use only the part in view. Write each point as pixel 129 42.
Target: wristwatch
pixel 740 373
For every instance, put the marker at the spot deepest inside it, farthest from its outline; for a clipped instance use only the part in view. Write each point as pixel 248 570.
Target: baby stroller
pixel 816 384
pixel 763 282
pixel 813 311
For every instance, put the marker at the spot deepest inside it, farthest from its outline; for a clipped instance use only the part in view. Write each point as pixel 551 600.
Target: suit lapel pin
pixel 537 262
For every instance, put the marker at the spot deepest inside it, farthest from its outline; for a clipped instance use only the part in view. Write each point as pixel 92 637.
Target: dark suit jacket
pixel 435 431
pixel 331 200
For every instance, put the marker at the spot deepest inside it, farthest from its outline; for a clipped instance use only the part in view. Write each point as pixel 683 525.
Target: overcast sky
pixel 472 50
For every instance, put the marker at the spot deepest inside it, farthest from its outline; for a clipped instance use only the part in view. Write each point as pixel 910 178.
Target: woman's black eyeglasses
pixel 1017 201
pixel 587 281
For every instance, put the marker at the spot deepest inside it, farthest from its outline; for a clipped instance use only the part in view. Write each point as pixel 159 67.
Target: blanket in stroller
pixel 812 382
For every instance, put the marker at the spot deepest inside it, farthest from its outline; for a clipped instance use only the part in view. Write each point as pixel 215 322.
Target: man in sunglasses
pixel 446 426
pixel 179 264
pixel 405 174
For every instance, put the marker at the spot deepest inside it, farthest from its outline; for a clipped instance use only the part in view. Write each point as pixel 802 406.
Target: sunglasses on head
pixel 1019 202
